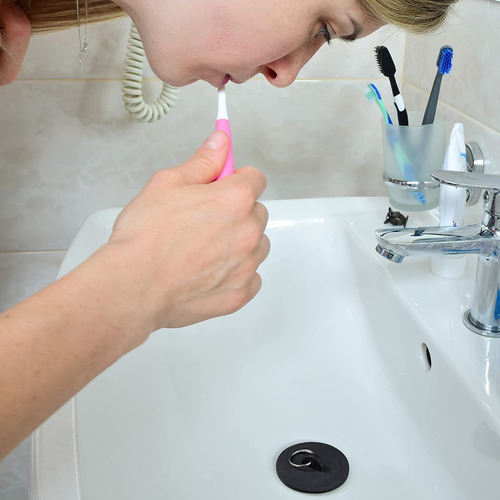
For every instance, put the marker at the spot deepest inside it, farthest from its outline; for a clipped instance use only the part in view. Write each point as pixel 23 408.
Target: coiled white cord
pixel 132 84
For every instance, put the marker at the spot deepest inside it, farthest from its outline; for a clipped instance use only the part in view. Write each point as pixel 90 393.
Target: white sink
pixel 334 349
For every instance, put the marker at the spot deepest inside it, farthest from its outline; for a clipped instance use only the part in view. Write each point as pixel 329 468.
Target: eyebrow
pixel 358 29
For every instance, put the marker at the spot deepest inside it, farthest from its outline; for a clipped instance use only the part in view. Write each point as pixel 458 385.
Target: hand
pixel 192 247
pixel 15 33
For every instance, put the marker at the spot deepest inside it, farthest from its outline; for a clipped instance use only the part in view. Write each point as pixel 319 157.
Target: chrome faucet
pixel 482 239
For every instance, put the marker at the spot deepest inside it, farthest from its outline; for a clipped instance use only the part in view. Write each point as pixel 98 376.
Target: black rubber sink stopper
pixel 312 467
pixel 396 218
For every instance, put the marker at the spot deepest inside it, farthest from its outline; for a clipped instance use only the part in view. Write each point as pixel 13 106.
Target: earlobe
pixel 15 35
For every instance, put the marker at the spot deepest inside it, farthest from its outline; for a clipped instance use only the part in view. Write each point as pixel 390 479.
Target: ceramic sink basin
pixel 340 347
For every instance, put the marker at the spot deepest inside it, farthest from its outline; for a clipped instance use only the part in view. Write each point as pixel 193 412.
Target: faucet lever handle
pixel 470 180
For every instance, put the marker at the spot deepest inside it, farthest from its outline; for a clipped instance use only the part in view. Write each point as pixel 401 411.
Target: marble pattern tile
pixel 14 479
pixel 487 138
pixel 55 55
pixel 22 274
pixel 351 60
pixel 471 86
pixel 77 151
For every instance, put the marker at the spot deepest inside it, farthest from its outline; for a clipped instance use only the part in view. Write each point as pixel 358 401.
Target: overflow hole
pixel 426 357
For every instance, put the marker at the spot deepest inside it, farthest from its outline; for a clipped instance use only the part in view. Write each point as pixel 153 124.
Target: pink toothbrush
pixel 222 123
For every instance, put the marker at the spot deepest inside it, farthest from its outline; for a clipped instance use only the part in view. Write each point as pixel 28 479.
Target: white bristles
pixel 221 104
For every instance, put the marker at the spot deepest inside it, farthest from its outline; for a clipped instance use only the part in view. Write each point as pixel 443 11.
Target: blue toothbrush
pixel 372 94
pixel 444 63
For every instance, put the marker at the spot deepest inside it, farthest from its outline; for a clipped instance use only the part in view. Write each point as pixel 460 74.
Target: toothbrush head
pixel 384 61
pixel 445 58
pixel 372 93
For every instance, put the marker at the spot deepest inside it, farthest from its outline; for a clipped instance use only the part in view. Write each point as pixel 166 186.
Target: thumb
pixel 207 163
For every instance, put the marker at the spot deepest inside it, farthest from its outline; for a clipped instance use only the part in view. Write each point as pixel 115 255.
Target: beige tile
pixel 471 86
pixel 356 59
pixel 23 274
pixel 311 139
pixel 77 151
pixel 487 138
pixel 14 481
pixel 56 55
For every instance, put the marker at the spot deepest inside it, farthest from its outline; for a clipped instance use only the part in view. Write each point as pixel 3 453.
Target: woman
pixel 185 249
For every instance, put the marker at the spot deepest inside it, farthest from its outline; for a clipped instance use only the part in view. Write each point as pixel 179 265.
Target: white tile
pixel 472 84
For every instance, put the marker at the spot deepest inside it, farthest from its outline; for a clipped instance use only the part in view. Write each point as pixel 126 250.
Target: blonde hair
pixel 53 15
pixel 417 16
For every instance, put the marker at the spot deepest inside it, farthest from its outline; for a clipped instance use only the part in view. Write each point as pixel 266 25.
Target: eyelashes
pixel 329 34
pixel 325 32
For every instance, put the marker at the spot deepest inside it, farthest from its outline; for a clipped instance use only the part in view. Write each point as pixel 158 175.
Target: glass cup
pixel 411 153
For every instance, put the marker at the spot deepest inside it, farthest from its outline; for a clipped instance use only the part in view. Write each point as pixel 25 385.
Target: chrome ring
pixel 298 466
pixel 411 185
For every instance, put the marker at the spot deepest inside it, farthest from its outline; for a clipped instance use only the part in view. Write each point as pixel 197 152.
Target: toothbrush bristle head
pixel 384 61
pixel 370 93
pixel 445 59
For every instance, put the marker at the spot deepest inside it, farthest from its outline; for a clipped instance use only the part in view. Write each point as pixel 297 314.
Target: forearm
pixel 54 343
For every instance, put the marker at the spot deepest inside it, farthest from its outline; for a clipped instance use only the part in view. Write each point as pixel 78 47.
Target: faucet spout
pixel 484 315
pixel 396 244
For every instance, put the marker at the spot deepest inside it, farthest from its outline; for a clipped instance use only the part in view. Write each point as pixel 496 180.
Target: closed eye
pixel 325 32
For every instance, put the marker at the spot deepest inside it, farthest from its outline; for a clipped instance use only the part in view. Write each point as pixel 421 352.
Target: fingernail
pixel 215 140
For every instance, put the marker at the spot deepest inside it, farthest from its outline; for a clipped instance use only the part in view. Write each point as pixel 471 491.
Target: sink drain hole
pixel 312 467
pixel 426 357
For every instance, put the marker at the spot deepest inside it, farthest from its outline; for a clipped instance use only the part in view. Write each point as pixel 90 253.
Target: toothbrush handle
pixel 223 124
pixel 430 110
pixel 402 117
pixel 399 103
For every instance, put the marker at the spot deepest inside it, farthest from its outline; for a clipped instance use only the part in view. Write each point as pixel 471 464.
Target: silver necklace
pixel 83 45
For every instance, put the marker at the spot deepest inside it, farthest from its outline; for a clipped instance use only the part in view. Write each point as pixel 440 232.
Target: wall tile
pixel 77 151
pixel 356 60
pixel 56 55
pixel 471 86
pixel 14 480
pixel 487 138
pixel 23 274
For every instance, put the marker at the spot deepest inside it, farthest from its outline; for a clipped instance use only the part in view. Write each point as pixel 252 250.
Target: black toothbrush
pixel 388 69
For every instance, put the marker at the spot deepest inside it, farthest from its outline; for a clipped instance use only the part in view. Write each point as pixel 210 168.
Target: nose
pixel 284 71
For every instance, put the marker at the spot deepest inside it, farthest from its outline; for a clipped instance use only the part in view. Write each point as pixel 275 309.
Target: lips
pixel 225 80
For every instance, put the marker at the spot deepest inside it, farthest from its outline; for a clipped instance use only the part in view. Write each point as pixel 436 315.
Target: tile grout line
pixel 15 252
pixel 459 111
pixel 156 80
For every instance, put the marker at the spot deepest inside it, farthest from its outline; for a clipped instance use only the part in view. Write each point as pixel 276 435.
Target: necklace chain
pixel 85 43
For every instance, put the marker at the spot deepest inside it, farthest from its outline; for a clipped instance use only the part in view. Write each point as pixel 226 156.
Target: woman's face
pixel 218 40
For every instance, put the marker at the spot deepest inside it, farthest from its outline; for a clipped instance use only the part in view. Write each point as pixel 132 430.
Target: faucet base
pixel 477 327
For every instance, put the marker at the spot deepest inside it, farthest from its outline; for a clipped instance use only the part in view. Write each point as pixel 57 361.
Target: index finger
pixel 249 176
